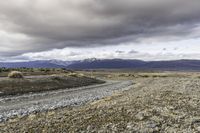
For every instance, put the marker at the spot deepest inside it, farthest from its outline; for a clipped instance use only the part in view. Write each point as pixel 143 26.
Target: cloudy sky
pixel 79 29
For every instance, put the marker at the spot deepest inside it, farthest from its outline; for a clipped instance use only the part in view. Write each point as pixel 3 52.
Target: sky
pixel 104 29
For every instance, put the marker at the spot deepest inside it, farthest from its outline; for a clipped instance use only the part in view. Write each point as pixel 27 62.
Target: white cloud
pixel 188 49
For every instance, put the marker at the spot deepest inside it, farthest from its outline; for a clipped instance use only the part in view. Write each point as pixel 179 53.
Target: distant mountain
pixel 31 64
pixel 61 63
pixel 107 63
pixel 136 64
pixel 178 65
pixel 174 65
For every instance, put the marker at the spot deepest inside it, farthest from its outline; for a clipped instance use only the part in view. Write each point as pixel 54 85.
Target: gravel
pixel 23 105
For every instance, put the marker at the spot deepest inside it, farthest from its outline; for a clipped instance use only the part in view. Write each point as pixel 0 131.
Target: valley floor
pixel 154 104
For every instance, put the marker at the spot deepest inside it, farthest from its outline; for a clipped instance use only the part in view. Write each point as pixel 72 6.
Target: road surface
pixel 22 105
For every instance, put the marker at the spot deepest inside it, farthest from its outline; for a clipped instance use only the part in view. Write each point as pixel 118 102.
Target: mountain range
pixel 32 64
pixel 108 64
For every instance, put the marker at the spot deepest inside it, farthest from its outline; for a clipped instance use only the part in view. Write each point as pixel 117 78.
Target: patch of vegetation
pixel 34 71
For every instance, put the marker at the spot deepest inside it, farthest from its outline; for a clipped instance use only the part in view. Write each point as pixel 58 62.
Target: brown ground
pixel 155 104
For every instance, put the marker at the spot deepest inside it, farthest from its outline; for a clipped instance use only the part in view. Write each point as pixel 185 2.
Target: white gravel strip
pixel 29 103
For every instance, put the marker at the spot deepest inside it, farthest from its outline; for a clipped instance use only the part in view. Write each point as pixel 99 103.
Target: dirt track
pixel 25 104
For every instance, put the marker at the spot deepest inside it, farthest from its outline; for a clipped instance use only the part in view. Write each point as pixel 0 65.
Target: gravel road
pixel 22 105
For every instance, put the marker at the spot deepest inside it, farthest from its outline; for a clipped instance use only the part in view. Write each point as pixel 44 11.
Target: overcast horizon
pixel 103 29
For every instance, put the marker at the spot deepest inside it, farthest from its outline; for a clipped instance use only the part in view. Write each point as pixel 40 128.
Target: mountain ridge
pixel 94 63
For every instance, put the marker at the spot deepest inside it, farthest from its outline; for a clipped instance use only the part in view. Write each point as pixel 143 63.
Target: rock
pixel 1 118
pixel 195 121
pixel 140 116
pixel 89 128
pixel 131 127
pixel 151 124
pixel 198 128
pixel 196 124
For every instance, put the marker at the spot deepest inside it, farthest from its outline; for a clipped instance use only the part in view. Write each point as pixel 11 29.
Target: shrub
pixel 56 77
pixel 81 75
pixel 109 76
pixel 73 74
pixel 15 74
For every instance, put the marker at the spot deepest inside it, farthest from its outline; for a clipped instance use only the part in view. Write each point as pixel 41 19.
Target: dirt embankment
pixel 45 83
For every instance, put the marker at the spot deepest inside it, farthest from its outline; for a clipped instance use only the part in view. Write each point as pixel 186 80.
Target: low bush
pixel 15 74
pixel 56 77
pixel 73 74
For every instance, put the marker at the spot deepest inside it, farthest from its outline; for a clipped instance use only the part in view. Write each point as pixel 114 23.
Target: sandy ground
pixel 154 104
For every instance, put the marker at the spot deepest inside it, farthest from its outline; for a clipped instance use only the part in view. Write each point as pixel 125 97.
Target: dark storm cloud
pixel 48 24
pixel 119 52
pixel 133 52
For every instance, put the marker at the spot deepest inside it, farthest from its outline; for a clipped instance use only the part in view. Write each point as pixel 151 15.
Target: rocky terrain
pixel 153 104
